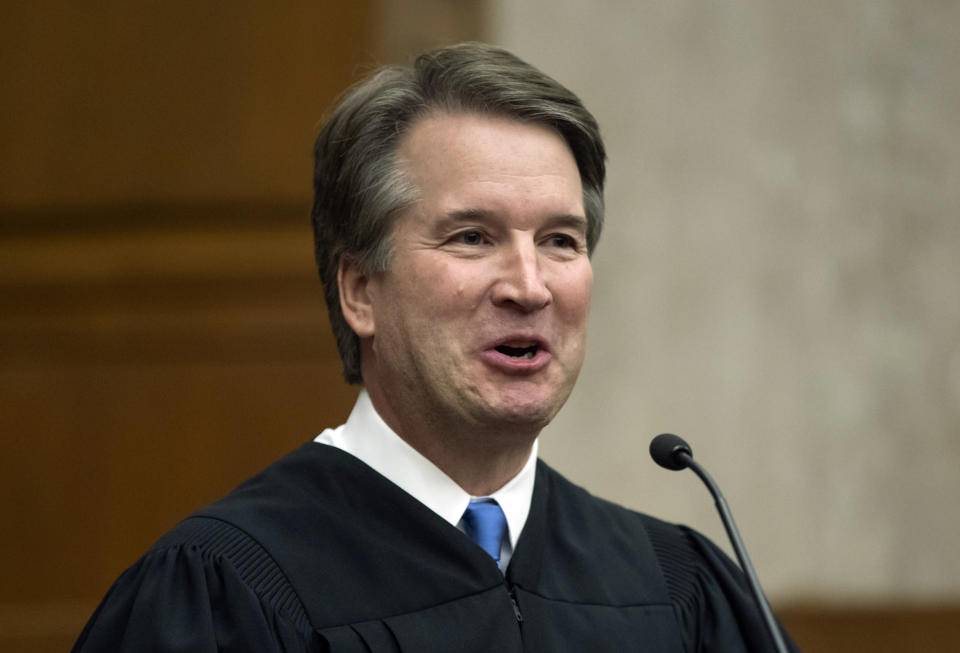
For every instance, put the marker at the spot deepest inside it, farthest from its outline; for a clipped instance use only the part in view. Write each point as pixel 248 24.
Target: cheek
pixel 455 287
pixel 573 295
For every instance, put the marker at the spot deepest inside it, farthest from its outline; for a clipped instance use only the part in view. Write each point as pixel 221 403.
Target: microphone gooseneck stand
pixel 672 452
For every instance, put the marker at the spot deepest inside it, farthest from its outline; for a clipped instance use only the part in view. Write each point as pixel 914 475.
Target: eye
pixel 562 240
pixel 472 237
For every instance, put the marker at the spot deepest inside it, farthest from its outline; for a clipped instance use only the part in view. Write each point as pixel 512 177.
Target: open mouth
pixel 518 352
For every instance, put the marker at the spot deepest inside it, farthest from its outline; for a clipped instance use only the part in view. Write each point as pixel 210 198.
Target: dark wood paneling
pixel 144 373
pixel 887 629
pixel 162 330
pixel 119 101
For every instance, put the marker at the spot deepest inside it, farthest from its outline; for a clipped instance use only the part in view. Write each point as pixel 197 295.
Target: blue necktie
pixel 486 525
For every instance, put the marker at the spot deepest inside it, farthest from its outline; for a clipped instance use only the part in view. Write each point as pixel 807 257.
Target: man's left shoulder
pixel 632 541
pixel 579 503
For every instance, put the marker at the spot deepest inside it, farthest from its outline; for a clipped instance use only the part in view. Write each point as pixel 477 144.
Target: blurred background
pixel 779 280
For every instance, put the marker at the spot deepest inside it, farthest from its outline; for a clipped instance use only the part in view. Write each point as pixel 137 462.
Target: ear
pixel 354 299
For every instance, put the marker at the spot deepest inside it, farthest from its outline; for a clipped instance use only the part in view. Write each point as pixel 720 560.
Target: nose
pixel 520 282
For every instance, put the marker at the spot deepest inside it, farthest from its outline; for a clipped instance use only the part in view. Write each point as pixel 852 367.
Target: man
pixel 457 205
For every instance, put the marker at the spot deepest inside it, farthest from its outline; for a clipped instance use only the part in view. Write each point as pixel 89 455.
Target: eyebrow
pixel 573 220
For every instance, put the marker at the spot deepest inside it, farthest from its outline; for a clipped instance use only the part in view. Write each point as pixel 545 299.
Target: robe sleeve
pixel 719 606
pixel 183 598
pixel 711 598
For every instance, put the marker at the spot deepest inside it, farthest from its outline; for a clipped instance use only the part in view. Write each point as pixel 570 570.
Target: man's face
pixel 481 318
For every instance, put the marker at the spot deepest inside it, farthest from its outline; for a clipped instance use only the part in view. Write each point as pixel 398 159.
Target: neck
pixel 479 470
pixel 481 460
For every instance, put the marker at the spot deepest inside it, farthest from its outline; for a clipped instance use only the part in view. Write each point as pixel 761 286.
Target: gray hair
pixel 359 188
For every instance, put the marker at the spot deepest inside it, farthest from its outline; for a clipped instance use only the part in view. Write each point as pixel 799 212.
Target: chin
pixel 526 412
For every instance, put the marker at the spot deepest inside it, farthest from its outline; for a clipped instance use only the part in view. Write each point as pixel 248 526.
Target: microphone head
pixel 664 450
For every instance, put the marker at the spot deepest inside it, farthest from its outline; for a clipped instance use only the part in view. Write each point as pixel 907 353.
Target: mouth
pixel 519 350
pixel 518 354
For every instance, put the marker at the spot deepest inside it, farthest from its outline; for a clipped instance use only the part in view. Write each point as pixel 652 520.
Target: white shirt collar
pixel 366 436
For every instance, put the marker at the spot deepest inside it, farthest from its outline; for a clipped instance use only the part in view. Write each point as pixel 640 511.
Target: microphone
pixel 672 452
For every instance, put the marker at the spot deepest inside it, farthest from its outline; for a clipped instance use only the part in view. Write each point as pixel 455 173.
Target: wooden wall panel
pixel 130 400
pixel 879 629
pixel 162 329
pixel 197 100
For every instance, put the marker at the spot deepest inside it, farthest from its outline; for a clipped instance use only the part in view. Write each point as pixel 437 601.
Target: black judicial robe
pixel 321 553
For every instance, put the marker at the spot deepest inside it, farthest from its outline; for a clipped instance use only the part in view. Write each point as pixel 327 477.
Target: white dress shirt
pixel 366 436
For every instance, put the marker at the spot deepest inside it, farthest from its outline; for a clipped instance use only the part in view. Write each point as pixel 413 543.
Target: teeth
pixel 529 354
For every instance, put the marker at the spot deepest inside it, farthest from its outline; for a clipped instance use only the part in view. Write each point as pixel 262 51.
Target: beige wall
pixel 779 280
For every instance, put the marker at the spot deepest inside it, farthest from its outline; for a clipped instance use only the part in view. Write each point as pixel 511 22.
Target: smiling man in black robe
pixel 457 205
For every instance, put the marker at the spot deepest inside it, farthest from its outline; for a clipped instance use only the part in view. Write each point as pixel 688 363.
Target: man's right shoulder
pixel 218 543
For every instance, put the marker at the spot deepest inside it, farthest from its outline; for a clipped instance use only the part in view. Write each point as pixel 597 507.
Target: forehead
pixel 443 153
